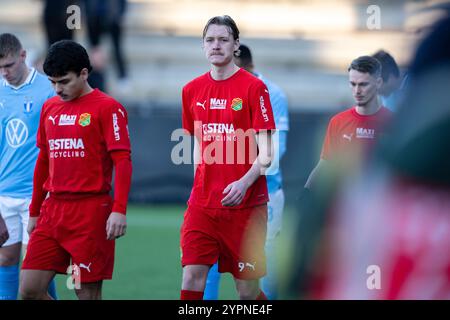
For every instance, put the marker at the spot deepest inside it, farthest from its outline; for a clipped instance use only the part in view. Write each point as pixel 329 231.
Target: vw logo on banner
pixel 16 132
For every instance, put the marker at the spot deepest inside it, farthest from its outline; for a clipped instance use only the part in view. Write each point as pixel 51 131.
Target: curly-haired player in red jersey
pixel 83 134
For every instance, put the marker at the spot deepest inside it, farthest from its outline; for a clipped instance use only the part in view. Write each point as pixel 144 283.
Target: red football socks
pixel 191 295
pixel 261 296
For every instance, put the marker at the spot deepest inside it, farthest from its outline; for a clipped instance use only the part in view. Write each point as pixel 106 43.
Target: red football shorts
pixel 234 238
pixel 73 233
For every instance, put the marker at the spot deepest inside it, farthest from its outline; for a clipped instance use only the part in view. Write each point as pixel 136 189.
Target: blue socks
pixel 212 284
pixel 52 290
pixel 9 282
pixel 269 281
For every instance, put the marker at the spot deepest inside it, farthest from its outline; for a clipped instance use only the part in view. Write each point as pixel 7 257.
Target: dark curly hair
pixel 65 56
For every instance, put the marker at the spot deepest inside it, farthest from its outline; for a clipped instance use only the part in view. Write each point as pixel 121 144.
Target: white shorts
pixel 15 212
pixel 275 208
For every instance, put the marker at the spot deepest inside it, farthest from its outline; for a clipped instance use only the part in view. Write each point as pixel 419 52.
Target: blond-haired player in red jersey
pixel 82 135
pixel 352 133
pixel 228 111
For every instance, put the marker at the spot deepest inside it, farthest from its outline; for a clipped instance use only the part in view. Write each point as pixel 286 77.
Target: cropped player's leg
pixel 92 255
pixel 194 280
pixel 200 250
pixel 90 291
pixel 9 271
pixel 43 259
pixel 247 289
pixel 34 284
pixel 243 254
pixel 52 290
pixel 51 286
pixel 269 283
pixel 212 284
pixel 10 251
pixel 24 215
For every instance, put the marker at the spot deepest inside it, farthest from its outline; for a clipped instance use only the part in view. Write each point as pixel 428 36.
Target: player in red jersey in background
pixel 229 113
pixel 349 141
pixel 391 238
pixel 82 135
pixel 351 133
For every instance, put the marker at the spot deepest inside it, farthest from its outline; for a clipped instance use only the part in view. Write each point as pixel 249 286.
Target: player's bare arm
pixel 235 191
pixel 31 224
pixel 196 154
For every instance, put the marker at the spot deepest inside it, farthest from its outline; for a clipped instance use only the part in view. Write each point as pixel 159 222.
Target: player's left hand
pixel 116 225
pixel 236 192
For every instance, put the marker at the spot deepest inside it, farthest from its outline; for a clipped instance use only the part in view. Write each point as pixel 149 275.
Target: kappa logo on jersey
pixel 236 104
pixel 263 109
pixel 67 119
pixel 116 127
pixel 364 133
pixel 209 128
pixel 85 119
pixel 16 133
pixel 66 148
pixel 53 119
pixel 218 103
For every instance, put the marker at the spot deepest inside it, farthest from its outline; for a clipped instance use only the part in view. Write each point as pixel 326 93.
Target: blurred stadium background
pixel 303 46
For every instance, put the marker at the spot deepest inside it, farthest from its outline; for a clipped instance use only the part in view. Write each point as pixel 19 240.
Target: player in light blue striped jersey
pixel 275 205
pixel 22 93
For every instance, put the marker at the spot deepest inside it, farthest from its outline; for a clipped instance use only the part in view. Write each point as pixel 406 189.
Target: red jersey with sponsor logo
pixel 350 133
pixel 78 135
pixel 225 115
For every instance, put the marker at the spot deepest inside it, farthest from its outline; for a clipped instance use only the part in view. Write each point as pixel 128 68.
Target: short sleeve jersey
pixel 78 136
pixel 20 109
pixel 224 116
pixel 350 133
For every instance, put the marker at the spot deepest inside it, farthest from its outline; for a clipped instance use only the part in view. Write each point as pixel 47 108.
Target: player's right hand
pixel 4 235
pixel 31 224
pixel 235 193
pixel 116 225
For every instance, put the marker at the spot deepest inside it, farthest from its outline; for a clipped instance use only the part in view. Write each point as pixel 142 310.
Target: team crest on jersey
pixel 236 104
pixel 28 105
pixel 85 119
